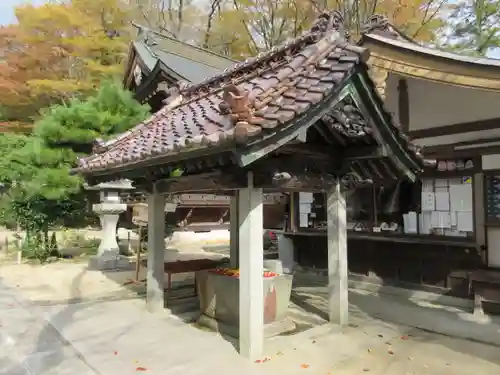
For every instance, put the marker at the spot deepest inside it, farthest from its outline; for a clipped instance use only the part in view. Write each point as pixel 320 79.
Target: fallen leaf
pixel 379 335
pixel 279 353
pixel 390 352
pixel 258 361
pixel 304 365
pixel 410 358
pixel 404 337
pixel 115 353
pixel 141 369
pixel 369 350
pixel 314 341
pixel 366 369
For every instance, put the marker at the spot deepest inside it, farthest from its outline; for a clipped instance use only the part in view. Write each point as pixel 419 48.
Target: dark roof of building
pixel 257 101
pixel 184 60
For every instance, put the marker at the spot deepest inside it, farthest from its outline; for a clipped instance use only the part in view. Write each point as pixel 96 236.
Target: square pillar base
pixel 273 329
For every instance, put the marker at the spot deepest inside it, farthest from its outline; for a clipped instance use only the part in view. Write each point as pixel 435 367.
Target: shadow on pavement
pixel 420 320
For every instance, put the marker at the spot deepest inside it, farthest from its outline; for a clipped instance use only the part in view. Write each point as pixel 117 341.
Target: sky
pixel 7 9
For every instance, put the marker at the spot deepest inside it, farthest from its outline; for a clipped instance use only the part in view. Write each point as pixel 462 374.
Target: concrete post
pixel 286 253
pixel 234 228
pixel 251 258
pixel 155 298
pixel 337 257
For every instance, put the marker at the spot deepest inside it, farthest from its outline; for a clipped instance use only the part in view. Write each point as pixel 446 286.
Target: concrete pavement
pixel 29 345
pixel 111 337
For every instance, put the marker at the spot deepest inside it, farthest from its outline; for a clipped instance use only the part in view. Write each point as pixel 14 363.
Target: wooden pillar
pixel 337 257
pixel 404 105
pixel 234 228
pixel 251 254
pixel 155 298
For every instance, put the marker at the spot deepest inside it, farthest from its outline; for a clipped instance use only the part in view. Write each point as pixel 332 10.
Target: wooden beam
pixel 404 105
pixel 294 173
pixel 363 152
pixel 213 181
pixel 310 152
pixel 285 181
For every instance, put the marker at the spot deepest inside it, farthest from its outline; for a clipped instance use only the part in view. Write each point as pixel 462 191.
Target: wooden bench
pixel 185 266
pixel 485 285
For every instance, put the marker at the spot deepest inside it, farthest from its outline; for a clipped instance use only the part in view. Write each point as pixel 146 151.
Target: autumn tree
pixel 58 51
pixel 174 17
pixel 474 27
pixel 245 27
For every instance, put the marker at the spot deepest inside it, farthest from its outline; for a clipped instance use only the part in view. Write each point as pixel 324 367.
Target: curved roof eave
pixel 416 61
pixel 432 52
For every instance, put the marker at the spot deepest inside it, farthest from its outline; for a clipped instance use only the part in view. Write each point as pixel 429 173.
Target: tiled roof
pixel 253 101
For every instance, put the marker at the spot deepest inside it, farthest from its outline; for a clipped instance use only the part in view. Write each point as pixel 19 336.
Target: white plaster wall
pixel 493 247
pixel 433 104
pixel 490 162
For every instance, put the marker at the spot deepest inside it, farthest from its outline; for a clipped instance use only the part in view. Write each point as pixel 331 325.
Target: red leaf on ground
pixel 404 337
pixel 258 361
pixel 304 365
pixel 141 369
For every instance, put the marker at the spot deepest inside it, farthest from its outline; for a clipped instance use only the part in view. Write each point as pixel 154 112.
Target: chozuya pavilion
pixel 304 116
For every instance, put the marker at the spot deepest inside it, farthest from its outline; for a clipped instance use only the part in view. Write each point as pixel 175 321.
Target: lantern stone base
pixel 110 260
pixel 219 303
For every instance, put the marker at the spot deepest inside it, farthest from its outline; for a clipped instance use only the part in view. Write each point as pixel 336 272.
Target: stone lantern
pixel 109 210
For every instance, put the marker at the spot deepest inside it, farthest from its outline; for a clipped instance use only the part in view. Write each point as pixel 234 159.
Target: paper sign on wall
pixel 442 201
pixel 461 197
pixel 441 219
pixel 465 222
pixel 428 201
